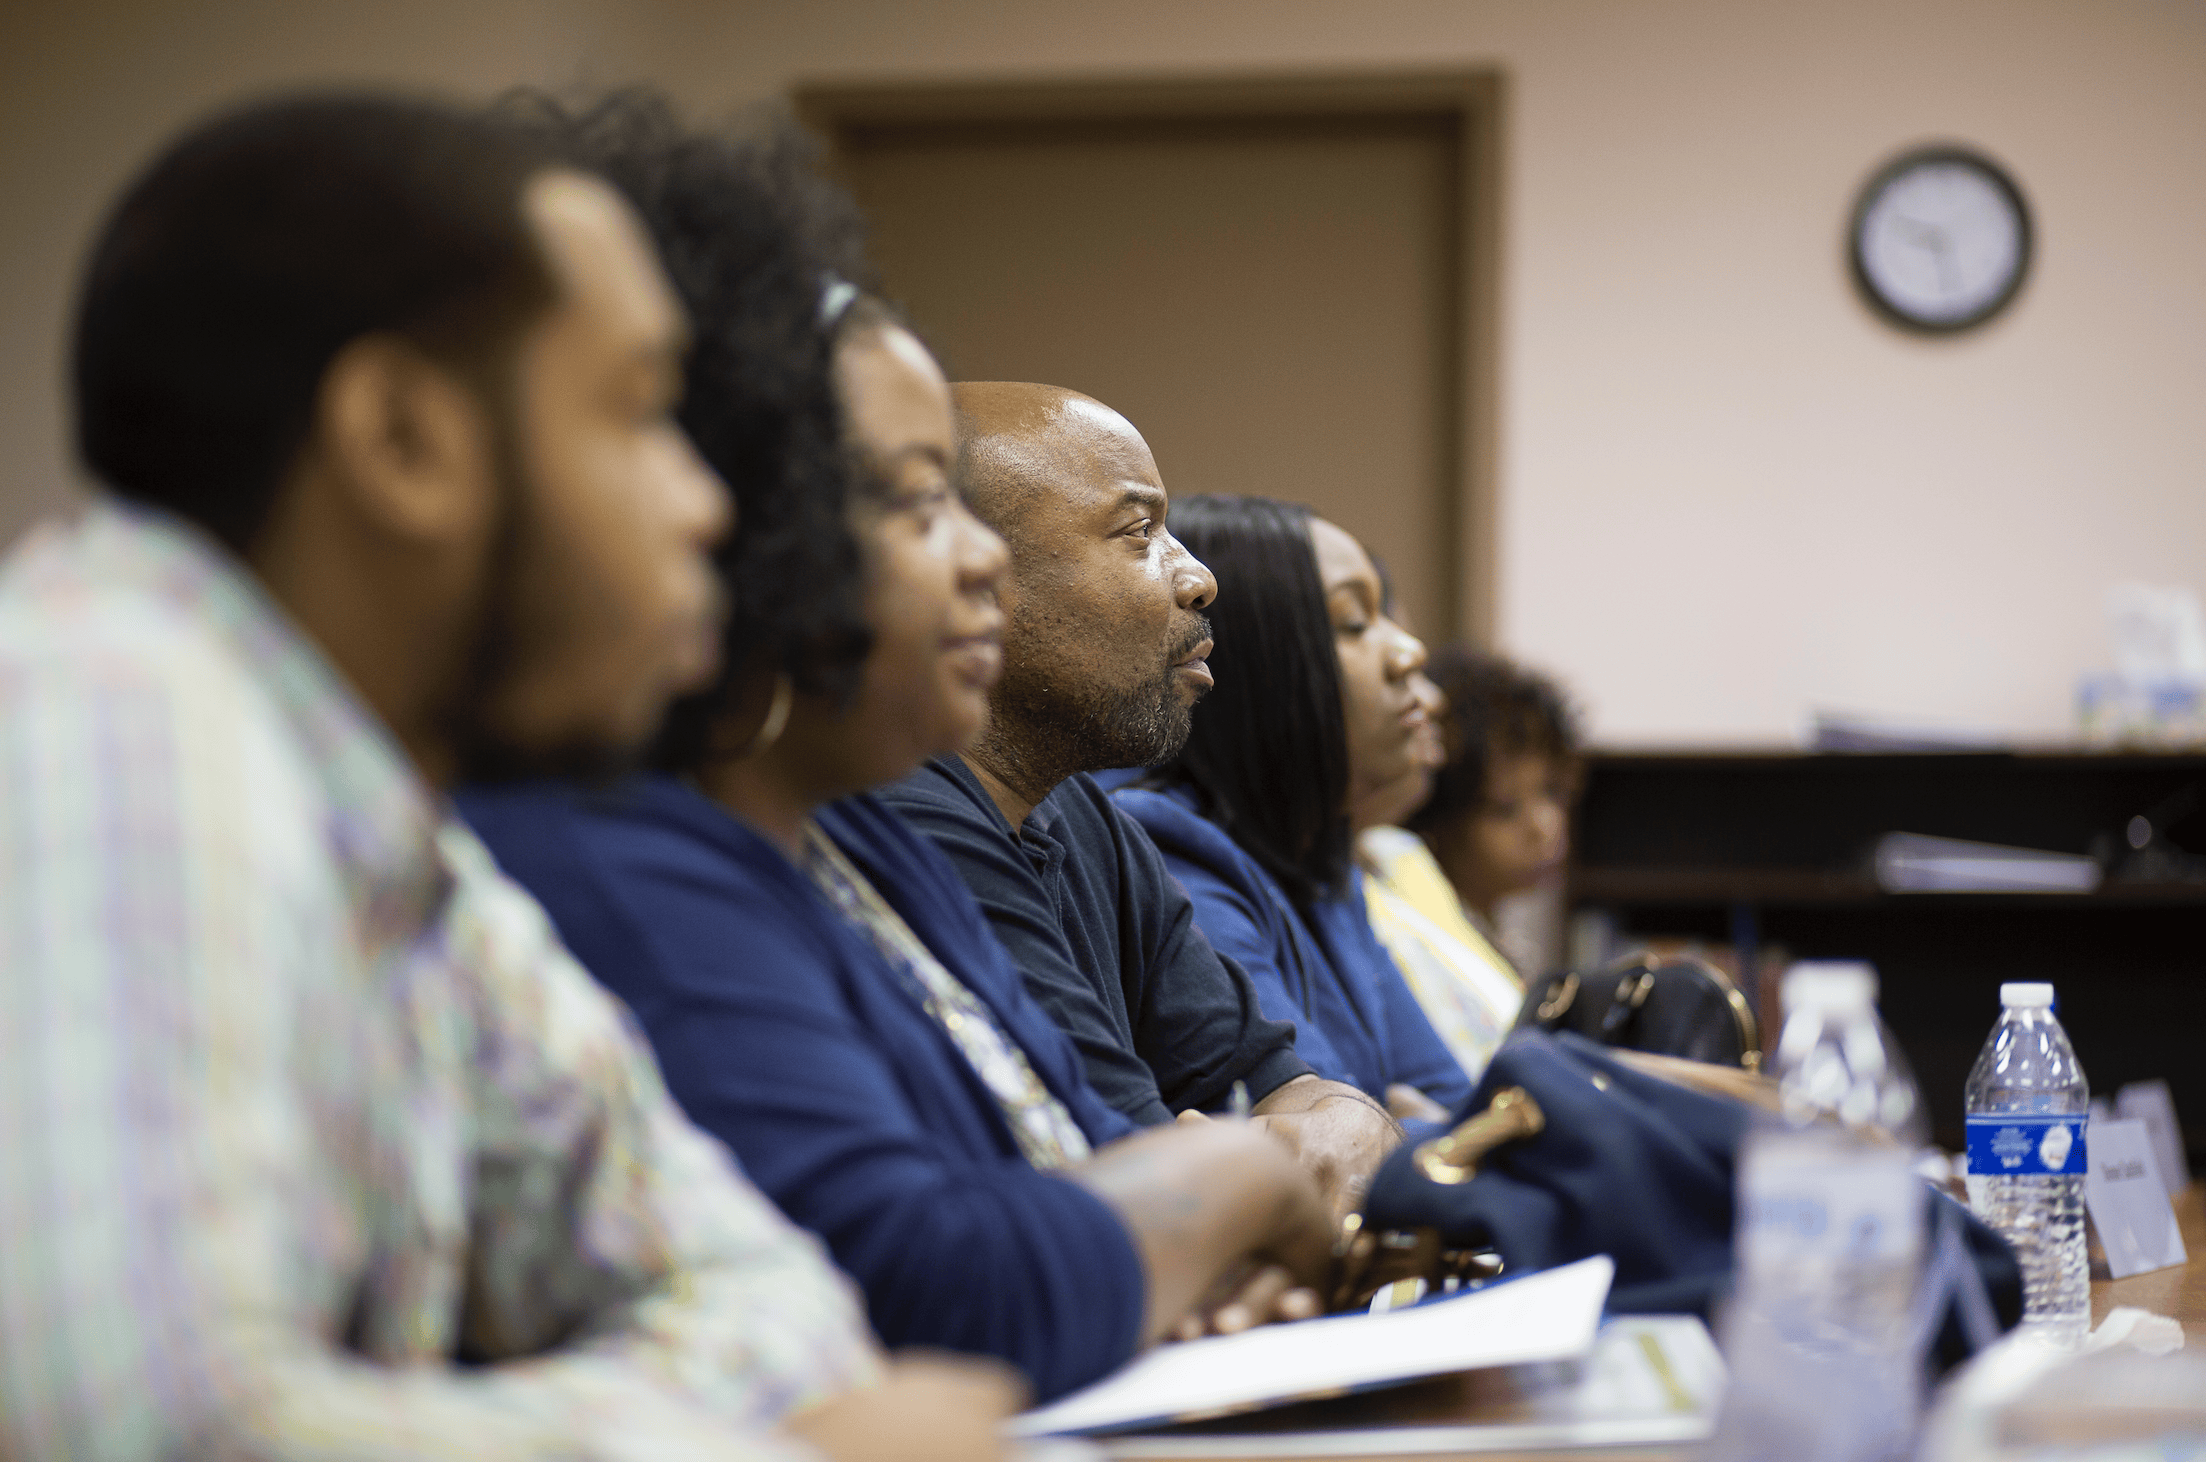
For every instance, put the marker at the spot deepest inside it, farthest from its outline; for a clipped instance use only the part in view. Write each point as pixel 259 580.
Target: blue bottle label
pixel 2026 1145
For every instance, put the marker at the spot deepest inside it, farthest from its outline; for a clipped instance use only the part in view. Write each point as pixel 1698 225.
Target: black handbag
pixel 1683 1007
pixel 1567 1150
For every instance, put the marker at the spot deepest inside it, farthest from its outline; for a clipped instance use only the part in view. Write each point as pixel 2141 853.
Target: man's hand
pixel 1210 1205
pixel 1337 1133
pixel 926 1408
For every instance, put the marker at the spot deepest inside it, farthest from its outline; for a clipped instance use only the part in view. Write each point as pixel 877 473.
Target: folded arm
pixel 783 1033
pixel 1339 1135
pixel 1204 1201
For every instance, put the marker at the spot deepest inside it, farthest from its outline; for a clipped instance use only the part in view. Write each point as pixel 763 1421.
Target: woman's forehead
pixel 893 392
pixel 1341 560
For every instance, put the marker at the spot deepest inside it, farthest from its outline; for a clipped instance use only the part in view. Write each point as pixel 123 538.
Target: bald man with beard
pixel 1105 650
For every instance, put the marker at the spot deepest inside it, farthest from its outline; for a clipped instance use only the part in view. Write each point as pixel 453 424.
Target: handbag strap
pixel 1951 1278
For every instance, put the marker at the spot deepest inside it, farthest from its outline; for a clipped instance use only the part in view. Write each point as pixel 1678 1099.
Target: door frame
pixel 1471 102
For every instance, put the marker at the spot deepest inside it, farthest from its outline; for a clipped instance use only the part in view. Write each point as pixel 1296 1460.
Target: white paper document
pixel 1552 1315
pixel 2129 1204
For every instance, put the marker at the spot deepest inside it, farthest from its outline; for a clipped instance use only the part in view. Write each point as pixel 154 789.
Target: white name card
pixel 2151 1103
pixel 2129 1204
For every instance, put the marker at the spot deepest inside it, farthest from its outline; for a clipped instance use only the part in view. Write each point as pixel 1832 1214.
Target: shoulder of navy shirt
pixel 1107 943
pixel 782 1030
pixel 1323 968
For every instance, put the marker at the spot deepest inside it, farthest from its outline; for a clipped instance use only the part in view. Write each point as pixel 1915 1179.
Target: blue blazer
pixel 782 1030
pixel 1355 1018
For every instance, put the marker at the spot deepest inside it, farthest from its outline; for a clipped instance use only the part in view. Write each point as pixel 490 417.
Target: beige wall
pixel 1727 493
pixel 88 88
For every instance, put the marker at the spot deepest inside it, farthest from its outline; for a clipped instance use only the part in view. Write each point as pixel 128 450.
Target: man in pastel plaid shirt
pixel 313 1140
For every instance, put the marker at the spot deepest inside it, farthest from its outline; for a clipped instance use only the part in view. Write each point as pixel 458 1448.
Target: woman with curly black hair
pixel 752 236
pixel 1316 710
pixel 821 989
pixel 1498 819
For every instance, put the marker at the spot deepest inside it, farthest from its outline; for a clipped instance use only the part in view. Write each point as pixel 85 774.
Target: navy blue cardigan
pixel 782 1030
pixel 1355 1018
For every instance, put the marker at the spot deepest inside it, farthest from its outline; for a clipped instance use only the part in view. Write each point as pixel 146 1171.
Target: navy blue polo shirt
pixel 1107 942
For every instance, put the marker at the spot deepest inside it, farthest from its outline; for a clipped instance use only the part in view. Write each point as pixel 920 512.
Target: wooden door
pixel 1271 284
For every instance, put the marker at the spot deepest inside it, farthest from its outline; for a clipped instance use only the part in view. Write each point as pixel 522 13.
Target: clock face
pixel 1941 239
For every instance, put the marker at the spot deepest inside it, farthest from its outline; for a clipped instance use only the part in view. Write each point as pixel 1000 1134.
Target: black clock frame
pixel 1907 161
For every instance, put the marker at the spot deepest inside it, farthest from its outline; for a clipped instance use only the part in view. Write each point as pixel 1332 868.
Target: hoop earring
pixel 777 721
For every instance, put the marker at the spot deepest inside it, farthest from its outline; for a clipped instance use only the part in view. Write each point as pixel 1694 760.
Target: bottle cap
pixel 1830 984
pixel 2025 995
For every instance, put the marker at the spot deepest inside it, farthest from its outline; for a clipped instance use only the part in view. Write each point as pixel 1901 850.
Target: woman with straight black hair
pixel 1315 710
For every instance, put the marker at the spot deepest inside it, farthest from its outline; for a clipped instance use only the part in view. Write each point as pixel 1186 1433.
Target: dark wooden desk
pixel 1766 851
pixel 1485 1397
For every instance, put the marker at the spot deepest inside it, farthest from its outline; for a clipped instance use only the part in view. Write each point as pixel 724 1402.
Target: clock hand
pixel 1930 236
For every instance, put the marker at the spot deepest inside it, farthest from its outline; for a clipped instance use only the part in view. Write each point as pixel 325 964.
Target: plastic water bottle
pixel 2028 1108
pixel 1829 1241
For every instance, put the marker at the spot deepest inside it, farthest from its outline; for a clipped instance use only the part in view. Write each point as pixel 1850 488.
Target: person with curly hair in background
pixel 1498 820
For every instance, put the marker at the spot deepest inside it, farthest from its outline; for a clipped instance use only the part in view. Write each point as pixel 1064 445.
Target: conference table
pixel 1410 1413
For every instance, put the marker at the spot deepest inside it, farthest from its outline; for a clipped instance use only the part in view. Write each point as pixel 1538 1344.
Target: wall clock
pixel 1940 239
